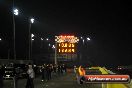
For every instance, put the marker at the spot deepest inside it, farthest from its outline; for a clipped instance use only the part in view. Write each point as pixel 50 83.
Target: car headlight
pixel 8 76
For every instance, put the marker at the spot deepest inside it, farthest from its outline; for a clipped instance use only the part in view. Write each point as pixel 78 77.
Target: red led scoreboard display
pixel 66 44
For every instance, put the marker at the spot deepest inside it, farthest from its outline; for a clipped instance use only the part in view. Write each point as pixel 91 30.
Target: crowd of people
pixel 48 70
pixel 45 71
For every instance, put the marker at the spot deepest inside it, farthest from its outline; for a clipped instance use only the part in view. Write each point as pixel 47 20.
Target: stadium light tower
pixel 31 21
pixel 15 13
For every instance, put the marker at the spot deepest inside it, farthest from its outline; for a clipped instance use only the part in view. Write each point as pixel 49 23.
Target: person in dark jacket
pixel 1 76
pixel 16 77
pixel 49 70
pixel 43 71
pixel 59 69
pixel 63 68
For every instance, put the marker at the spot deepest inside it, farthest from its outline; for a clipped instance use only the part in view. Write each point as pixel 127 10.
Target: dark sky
pixel 106 22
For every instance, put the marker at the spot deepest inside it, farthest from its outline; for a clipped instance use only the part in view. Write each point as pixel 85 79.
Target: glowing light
pixel 69 45
pixel 65 50
pixel 83 41
pixel 65 45
pixel 73 50
pixel 0 39
pixel 15 11
pixel 73 45
pixel 32 39
pixel 62 50
pixel 69 50
pixel 47 39
pixel 53 46
pixel 88 39
pixel 32 20
pixel 62 44
pixel 49 45
pixel 70 39
pixel 42 39
pixel 32 35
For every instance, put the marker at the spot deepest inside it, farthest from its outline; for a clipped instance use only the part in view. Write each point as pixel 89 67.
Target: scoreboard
pixel 66 44
pixel 66 47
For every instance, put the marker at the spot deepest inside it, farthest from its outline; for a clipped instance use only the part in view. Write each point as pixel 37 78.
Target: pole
pixel 31 42
pixel 14 34
pixel 29 54
pixel 55 53
pixel 8 54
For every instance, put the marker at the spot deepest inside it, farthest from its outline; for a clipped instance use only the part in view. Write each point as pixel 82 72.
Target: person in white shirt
pixel 30 78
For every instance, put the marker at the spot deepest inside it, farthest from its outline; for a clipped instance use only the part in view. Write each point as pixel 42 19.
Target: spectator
pixel 16 73
pixel 75 69
pixel 30 78
pixel 35 70
pixel 63 68
pixel 54 68
pixel 1 76
pixel 43 71
pixel 49 70
pixel 81 73
pixel 59 69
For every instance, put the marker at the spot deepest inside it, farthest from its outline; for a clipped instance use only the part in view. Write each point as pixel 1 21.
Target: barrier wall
pixel 106 85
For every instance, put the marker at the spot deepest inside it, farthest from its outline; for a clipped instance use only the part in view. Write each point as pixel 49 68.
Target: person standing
pixel 1 76
pixel 43 71
pixel 63 68
pixel 48 72
pixel 75 71
pixel 82 73
pixel 16 77
pixel 59 69
pixel 54 68
pixel 30 78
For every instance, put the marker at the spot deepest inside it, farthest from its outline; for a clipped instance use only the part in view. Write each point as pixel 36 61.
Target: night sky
pixel 107 23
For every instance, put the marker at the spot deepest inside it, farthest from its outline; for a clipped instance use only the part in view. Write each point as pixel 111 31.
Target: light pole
pixel 15 12
pixel 55 47
pixel 31 21
pixel 32 35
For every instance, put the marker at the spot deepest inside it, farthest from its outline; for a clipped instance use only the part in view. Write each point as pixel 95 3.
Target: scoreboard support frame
pixel 55 53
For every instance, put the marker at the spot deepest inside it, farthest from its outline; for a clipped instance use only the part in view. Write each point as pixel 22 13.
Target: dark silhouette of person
pixel 2 71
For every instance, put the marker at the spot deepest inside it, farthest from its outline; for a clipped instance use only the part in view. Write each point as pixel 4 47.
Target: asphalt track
pixel 63 81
